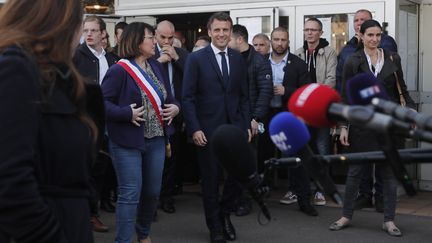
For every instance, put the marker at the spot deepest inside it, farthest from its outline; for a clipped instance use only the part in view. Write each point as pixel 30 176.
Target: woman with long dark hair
pixel 139 109
pixel 386 67
pixel 47 140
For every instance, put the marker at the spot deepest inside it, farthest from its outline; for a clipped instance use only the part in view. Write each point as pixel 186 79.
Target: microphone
pixel 358 115
pixel 363 87
pixel 366 89
pixel 291 136
pixel 229 144
pixel 317 105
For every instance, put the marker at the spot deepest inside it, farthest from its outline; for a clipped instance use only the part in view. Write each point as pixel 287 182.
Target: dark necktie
pixel 225 74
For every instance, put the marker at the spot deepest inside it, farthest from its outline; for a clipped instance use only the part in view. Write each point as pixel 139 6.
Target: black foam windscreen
pixel 230 146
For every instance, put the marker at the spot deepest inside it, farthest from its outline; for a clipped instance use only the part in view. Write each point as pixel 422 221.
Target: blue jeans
pixel 139 176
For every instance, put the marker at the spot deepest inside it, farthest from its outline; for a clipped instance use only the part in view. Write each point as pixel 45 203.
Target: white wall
pixel 425 75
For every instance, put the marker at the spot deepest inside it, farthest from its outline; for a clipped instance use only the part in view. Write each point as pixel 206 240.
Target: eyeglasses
pixel 311 30
pixel 92 31
pixel 151 37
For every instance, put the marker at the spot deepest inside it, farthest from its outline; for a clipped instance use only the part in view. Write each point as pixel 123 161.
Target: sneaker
pixel 319 199
pixel 289 198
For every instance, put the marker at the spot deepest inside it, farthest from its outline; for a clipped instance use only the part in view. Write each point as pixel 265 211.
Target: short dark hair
pixel 119 25
pixel 317 21
pixel 132 37
pixel 240 30
pixel 204 38
pixel 95 18
pixel 279 29
pixel 221 16
pixel 368 24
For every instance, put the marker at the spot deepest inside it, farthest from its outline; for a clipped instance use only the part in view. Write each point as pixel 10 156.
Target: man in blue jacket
pixel 260 92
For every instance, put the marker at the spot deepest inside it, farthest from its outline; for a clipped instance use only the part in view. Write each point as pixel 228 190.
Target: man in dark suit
pixel 173 60
pixel 215 93
pixel 289 74
pixel 92 62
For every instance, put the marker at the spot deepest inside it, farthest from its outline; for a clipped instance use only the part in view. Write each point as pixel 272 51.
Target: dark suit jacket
pixel 178 70
pixel 207 103
pixel 296 75
pixel 120 90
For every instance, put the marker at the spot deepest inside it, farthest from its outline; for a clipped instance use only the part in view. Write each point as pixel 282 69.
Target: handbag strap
pixel 401 96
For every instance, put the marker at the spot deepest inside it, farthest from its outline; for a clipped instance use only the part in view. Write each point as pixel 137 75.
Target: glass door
pixel 337 20
pixel 262 20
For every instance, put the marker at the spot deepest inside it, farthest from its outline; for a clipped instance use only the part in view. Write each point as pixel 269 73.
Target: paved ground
pixel 288 224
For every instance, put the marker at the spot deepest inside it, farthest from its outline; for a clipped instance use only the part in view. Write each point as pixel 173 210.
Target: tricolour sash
pixel 145 85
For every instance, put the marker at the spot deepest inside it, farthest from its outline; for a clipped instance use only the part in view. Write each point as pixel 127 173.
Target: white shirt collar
pixel 284 60
pixel 217 50
pixel 96 53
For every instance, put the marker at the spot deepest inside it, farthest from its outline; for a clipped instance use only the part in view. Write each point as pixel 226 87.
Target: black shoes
pixel 363 202
pixel 244 207
pixel 308 209
pixel 168 206
pixel 217 236
pixel 228 228
pixel 107 206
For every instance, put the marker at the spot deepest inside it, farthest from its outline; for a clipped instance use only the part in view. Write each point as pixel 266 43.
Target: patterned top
pixel 152 126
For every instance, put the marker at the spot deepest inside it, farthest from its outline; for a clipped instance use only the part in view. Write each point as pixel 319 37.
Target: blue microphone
pixel 288 133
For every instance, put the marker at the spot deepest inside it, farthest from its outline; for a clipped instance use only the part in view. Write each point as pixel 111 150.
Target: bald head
pixel 165 33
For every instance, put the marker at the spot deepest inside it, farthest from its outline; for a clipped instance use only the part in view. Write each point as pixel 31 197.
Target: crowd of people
pixel 93 125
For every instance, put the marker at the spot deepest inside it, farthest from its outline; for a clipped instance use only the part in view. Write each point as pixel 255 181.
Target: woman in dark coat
pixel 382 64
pixel 46 138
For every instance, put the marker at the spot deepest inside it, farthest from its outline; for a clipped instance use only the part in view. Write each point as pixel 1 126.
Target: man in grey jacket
pixel 321 60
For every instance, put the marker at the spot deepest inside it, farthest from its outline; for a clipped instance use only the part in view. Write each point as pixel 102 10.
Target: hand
pixel 164 58
pixel 199 138
pixel 137 114
pixel 170 51
pixel 278 89
pixel 343 137
pixel 169 112
pixel 249 136
pixel 254 127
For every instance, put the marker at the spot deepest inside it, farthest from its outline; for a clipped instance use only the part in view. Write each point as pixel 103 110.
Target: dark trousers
pixel 171 165
pixel 367 183
pixel 210 170
pixel 98 178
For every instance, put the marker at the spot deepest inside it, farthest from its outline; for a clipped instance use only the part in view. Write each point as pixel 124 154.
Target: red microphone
pixel 312 103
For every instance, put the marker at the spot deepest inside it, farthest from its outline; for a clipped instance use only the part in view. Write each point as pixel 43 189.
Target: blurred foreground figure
pixel 47 139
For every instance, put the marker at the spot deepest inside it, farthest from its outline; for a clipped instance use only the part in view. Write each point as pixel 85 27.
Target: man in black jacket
pixel 260 91
pixel 289 74
pixel 173 60
pixel 93 62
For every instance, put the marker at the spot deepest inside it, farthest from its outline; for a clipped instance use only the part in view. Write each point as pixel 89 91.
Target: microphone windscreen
pixel 229 144
pixel 311 103
pixel 363 87
pixel 288 133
